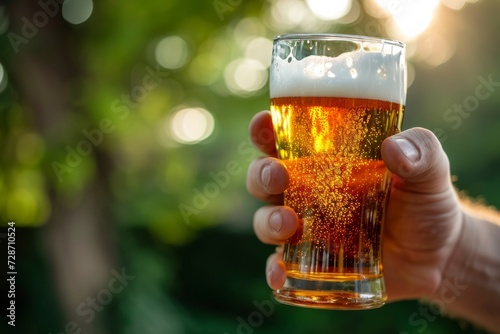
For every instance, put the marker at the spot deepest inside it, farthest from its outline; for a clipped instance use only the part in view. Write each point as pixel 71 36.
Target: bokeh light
pixel 436 49
pixel 4 20
pixel 3 78
pixel 416 24
pixel 410 74
pixel 291 15
pixel 353 15
pixel 77 11
pixel 454 4
pixel 407 18
pixel 247 29
pixel 329 10
pixel 288 14
pixel 172 52
pixel 245 77
pixel 260 49
pixel 27 203
pixel 158 96
pixel 191 125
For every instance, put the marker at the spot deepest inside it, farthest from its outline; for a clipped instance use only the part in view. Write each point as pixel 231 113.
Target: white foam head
pixel 364 73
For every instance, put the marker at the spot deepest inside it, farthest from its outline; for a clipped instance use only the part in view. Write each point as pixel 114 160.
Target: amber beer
pixel 339 184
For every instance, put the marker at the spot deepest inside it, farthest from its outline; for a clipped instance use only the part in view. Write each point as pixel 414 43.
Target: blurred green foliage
pixel 201 271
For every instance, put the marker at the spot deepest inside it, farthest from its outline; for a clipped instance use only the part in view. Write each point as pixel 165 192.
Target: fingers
pixel 275 271
pixel 275 224
pixel 418 160
pixel 267 178
pixel 262 134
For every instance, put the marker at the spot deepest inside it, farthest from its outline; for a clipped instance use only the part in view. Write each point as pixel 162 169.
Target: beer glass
pixel 334 99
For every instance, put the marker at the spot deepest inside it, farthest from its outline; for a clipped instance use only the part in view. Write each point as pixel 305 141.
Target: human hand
pixel 423 222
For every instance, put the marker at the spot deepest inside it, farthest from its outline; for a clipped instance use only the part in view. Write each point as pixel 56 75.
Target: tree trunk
pixel 77 235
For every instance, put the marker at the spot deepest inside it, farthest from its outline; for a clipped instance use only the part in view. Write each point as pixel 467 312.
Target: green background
pixel 118 207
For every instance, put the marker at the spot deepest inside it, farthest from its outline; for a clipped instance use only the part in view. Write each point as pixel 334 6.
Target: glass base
pixel 334 295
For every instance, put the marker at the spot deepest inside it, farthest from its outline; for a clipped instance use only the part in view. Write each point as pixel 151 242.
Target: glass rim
pixel 338 37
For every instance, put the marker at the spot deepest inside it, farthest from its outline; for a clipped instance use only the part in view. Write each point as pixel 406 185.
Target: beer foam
pixel 356 74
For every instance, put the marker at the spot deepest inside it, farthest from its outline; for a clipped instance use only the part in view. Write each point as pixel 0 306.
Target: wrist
pixel 469 285
pixel 455 274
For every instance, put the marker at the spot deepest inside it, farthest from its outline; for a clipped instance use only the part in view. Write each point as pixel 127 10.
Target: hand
pixel 423 222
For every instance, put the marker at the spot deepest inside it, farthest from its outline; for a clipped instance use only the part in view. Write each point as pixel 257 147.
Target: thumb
pixel 417 159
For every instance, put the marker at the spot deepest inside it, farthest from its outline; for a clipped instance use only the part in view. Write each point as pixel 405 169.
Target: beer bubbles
pixel 334 99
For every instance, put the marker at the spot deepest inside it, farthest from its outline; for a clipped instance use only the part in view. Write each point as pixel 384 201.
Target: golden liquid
pixel 338 183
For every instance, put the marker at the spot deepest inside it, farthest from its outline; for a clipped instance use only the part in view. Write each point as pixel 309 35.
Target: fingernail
pixel 275 277
pixel 265 175
pixel 270 274
pixel 276 221
pixel 409 150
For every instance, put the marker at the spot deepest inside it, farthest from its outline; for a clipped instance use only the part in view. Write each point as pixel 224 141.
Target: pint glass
pixel 334 99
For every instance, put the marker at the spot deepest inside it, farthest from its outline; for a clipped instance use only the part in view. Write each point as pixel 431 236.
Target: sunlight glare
pixel 408 19
pixel 454 4
pixel 436 49
pixel 328 10
pixel 286 15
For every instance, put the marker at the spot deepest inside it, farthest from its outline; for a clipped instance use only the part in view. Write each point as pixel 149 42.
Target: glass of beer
pixel 334 99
